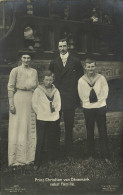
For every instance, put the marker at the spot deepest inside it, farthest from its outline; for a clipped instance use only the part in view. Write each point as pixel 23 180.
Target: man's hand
pixel 12 109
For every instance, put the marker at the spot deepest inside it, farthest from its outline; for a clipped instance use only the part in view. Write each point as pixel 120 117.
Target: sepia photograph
pixel 61 97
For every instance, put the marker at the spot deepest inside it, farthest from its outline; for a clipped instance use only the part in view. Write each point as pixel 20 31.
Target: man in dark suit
pixel 67 70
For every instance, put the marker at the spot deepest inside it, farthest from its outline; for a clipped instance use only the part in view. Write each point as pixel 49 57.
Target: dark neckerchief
pixel 94 80
pixel 50 98
pixel 50 95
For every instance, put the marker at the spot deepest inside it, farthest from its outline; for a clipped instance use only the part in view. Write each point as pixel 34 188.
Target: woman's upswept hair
pixel 26 51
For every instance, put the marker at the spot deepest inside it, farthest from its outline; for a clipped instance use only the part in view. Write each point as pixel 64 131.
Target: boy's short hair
pixel 47 73
pixel 89 61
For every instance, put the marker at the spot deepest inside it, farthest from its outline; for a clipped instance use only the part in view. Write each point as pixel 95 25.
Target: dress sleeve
pixel 36 79
pixel 35 101
pixel 105 87
pixel 12 80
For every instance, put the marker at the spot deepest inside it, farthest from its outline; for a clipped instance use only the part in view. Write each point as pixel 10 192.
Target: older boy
pixel 93 92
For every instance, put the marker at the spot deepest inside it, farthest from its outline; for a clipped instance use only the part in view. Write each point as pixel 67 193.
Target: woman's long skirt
pixel 22 130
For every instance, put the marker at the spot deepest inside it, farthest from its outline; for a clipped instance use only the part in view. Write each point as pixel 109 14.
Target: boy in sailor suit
pixel 46 103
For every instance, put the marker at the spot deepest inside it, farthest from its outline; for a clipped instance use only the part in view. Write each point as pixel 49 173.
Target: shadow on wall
pixel 115 98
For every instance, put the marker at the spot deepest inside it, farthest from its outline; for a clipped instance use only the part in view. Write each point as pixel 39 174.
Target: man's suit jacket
pixel 66 80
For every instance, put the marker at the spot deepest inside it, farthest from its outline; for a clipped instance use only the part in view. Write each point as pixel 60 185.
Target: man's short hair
pixel 63 40
pixel 47 73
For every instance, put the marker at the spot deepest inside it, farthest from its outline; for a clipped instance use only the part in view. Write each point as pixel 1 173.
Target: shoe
pixel 36 167
pixel 107 161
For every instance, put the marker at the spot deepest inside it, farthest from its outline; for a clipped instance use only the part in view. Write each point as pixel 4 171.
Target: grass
pixel 75 174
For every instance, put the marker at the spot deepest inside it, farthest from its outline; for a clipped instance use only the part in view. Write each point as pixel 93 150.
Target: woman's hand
pixel 12 109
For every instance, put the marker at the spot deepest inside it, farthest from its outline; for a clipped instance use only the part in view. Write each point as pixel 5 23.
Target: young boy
pixel 46 103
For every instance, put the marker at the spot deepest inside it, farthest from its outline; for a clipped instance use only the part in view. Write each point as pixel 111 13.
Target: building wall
pixel 111 70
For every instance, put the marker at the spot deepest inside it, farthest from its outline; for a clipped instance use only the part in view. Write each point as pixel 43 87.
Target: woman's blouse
pixel 23 78
pixel 41 104
pixel 100 87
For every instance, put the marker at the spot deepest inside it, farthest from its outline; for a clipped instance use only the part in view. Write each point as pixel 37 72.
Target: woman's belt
pixel 24 90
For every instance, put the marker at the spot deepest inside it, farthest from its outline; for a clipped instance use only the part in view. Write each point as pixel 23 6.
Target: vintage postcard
pixel 61 97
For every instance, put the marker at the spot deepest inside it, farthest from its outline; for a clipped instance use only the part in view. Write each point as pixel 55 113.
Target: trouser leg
pixel 90 121
pixel 57 133
pixel 40 128
pixel 102 128
pixel 68 116
pixel 56 139
pixel 52 141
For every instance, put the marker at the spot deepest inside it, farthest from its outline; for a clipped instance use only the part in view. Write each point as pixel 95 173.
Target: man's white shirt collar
pixel 64 56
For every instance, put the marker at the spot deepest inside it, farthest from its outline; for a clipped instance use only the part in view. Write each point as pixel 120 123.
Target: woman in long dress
pixel 22 126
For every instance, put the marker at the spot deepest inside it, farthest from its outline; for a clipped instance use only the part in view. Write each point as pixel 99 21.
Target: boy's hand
pixel 12 109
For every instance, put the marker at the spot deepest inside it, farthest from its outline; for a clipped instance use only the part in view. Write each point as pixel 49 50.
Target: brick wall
pixel 111 70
